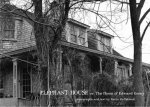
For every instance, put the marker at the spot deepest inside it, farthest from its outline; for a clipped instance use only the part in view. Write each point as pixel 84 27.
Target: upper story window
pixel 81 37
pixel 73 33
pixel 7 26
pixel 77 35
pixel 105 44
pixel 99 40
pixel 92 40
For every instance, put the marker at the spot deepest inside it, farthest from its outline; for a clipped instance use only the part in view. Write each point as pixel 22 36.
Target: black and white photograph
pixel 74 53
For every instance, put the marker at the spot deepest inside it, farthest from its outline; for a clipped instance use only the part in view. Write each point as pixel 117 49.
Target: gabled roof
pixel 78 23
pixel 71 45
pixel 22 13
pixel 100 32
pixel 116 53
pixel 18 12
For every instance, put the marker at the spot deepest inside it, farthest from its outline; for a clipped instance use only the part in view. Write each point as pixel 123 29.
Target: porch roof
pixel 71 45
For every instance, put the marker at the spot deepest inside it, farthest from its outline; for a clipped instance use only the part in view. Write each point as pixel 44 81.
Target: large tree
pixel 136 21
pixel 48 32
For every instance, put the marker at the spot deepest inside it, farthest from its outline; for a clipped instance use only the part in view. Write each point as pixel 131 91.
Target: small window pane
pixel 81 33
pixel 73 32
pixel 82 37
pixel 82 40
pixel 26 84
pixel 74 38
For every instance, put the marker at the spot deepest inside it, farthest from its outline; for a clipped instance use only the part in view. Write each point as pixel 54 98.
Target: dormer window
pixel 81 37
pixel 77 35
pixel 105 44
pixel 100 40
pixel 73 33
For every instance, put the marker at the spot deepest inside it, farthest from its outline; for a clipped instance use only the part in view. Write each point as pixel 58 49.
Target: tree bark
pixel 137 65
pixel 41 47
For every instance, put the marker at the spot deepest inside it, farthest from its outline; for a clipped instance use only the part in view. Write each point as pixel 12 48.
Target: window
pixel 81 37
pixel 26 83
pixel 32 35
pixel 1 80
pixel 7 27
pixel 1 95
pixel 1 23
pixel 73 33
pixel 105 44
pixel 77 35
pixel 122 73
pixel 92 41
pixel 1 85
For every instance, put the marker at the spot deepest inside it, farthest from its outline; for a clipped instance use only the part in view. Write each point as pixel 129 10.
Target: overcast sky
pixel 123 44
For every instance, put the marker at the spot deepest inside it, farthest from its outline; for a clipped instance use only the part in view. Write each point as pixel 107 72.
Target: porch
pixel 17 84
pixel 20 82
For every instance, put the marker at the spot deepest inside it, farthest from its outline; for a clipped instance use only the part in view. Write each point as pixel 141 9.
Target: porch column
pixel 115 67
pixel 100 62
pixel 15 92
pixel 130 69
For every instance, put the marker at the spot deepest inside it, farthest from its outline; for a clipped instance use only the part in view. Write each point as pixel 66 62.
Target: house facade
pixel 20 83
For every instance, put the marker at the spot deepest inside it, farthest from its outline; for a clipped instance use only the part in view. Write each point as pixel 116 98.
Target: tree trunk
pixel 45 47
pixel 137 66
pixel 41 47
pixel 137 72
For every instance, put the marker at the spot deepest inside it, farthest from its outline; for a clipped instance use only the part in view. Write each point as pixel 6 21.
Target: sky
pixel 125 31
pixel 124 43
pixel 122 32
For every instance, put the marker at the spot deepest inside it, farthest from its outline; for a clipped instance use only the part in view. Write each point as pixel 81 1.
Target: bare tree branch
pixel 139 8
pixel 143 17
pixel 146 27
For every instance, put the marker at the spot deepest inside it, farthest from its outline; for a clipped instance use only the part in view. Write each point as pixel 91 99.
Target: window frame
pixel 79 34
pixel 7 27
pixel 1 85
pixel 122 73
pixel 104 46
pixel 73 33
pixel 26 93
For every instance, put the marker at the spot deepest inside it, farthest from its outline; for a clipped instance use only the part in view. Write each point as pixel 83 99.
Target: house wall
pixel 24 36
pixel 8 84
pixel 8 102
